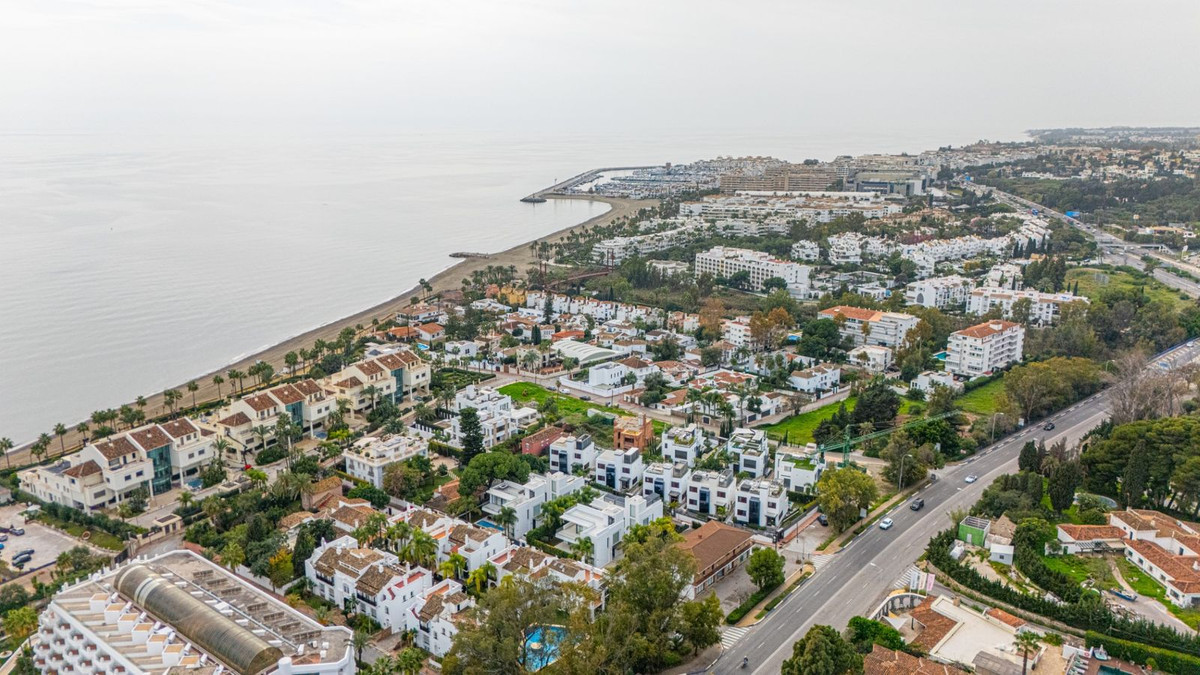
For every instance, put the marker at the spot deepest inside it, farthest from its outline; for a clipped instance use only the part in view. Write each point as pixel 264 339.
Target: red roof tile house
pixel 1166 549
pixel 1090 538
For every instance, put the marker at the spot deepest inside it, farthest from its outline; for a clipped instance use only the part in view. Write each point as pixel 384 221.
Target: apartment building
pixel 526 499
pixel 605 522
pixel 668 480
pixel 367 458
pixel 1164 548
pixel 619 469
pixel 724 262
pixel 178 612
pixel 985 348
pixel 872 358
pixel 1005 275
pixel 391 376
pixel 683 444
pixel 156 457
pixel 872 327
pixel 807 251
pixel 573 452
pixel 1044 308
pixel 760 502
pixel 737 332
pixel 798 469
pixel 938 292
pixel 710 492
pixel 370 581
pixel 750 451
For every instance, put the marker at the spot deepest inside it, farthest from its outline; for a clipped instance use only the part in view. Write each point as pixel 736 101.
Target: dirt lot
pixel 46 543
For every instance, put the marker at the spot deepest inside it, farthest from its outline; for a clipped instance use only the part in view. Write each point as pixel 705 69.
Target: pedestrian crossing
pixel 820 560
pixel 730 636
pixel 906 579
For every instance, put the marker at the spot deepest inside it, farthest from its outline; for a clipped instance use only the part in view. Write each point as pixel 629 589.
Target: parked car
pixel 585 398
pixel 1125 595
pixel 1049 426
pixel 17 531
pixel 3 537
pixel 972 478
pixel 26 552
pixel 885 524
pixel 917 504
pixel 3 528
pixel 823 520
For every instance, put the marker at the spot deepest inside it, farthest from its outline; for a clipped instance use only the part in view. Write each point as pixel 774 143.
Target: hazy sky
pixel 613 66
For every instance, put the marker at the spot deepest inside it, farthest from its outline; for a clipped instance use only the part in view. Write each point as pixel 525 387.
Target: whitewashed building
pixel 985 348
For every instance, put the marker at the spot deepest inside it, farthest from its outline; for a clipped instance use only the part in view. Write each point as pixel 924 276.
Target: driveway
pixel 46 543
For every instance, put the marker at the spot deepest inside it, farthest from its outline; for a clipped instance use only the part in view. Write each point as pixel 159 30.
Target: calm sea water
pixel 130 264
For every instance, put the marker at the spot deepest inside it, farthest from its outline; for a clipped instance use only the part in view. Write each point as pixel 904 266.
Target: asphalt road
pixel 858 577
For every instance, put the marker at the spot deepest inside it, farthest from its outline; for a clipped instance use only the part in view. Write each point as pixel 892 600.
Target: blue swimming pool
pixel 484 522
pixel 940 356
pixel 195 484
pixel 541 646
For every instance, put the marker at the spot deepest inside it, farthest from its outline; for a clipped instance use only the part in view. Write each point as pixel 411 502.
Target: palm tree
pixel 584 548
pixel 6 444
pixel 45 441
pixel 453 566
pixel 171 397
pixel 218 380
pixel 361 639
pixel 371 392
pixel 481 575
pixel 185 499
pixel 422 548
pixel 221 445
pixel 60 430
pixel 82 429
pixel 193 388
pixel 291 360
pixel 1026 642
pixel 507 518
pixel 235 374
pixel 398 536
pixel 410 661
pixel 261 431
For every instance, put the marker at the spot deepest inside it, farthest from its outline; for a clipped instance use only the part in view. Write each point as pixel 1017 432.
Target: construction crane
pixel 846 442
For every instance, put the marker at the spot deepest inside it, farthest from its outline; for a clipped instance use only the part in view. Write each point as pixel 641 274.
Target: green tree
pixel 1136 478
pixel 20 623
pixel 1030 458
pixel 843 494
pixel 303 550
pixel 765 568
pixel 281 570
pixel 1062 484
pixel 232 555
pixel 471 433
pixel 1027 643
pixel 699 622
pixel 822 651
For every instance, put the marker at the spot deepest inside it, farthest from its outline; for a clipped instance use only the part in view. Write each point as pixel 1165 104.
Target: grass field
pixel 1082 569
pixel 1094 282
pixel 1145 586
pixel 982 401
pixel 526 392
pixel 799 428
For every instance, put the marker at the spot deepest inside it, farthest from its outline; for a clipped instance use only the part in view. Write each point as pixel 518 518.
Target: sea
pixel 131 263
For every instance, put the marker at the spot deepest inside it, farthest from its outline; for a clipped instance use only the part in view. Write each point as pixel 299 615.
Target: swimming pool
pixel 541 646
pixel 484 522
pixel 195 484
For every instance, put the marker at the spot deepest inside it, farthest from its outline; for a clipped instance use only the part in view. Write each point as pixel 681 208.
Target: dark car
pixel 1049 426
pixel 4 528
pixel 822 519
pixel 917 504
pixel 17 531
pixel 24 553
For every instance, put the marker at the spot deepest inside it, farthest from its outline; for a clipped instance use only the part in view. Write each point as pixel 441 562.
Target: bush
pixel 742 609
pixel 97 521
pixel 270 455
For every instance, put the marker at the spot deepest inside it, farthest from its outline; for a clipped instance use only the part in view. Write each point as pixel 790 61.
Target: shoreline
pixel 448 278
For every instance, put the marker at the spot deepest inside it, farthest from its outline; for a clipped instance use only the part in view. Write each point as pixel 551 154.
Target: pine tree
pixel 1030 459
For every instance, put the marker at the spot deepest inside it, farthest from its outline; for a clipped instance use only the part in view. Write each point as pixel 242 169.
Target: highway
pixel 858 577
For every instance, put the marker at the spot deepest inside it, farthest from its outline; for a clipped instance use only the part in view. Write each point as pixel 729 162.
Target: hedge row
pixel 1164 660
pixel 742 609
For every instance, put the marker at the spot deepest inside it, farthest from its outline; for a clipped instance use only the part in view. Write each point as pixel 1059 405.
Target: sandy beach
pixel 451 278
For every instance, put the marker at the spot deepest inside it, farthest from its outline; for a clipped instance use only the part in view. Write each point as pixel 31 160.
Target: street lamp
pixel 900 478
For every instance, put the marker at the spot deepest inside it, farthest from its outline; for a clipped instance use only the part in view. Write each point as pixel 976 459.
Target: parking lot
pixel 46 543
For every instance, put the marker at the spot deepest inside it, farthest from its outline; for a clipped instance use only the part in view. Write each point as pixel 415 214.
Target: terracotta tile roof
pixel 391 362
pixel 235 420
pixel 1092 532
pixel 884 661
pixel 83 470
pixel 295 519
pixel 521 559
pixel 422 518
pixel 432 608
pixel 354 516
pixel 287 394
pixel 349 383
pixel 1179 570
pixel 117 448
pixel 856 313
pixel 308 387
pixel 936 626
pixel 463 534
pixel 402 332
pixel 179 428
pixel 986 329
pixel 260 402
pixel 713 542
pixel 349 561
pixel 327 484
pixel 633 362
pixel 431 328
pixel 1005 618
pixel 369 368
pixel 377 578
pixel 150 437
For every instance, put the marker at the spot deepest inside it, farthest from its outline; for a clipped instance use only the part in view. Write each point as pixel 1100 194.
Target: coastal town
pixel 905 413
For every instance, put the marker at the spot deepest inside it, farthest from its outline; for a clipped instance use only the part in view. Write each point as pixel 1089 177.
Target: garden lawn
pixel 97 537
pixel 525 392
pixel 1082 569
pixel 799 428
pixel 982 400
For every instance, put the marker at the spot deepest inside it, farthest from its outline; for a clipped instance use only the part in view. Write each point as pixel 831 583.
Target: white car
pixel 885 523
pixel 972 478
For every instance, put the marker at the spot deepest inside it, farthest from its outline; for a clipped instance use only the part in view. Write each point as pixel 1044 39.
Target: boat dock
pixel 540 196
